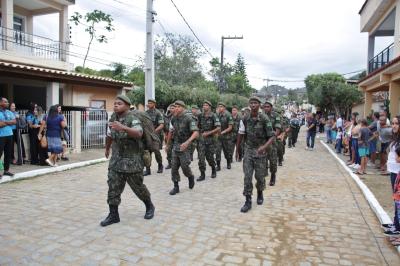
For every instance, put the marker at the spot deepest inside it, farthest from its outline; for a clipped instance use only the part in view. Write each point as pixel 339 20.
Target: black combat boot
pixel 191 182
pixel 260 198
pixel 147 171
pixel 213 172
pixel 247 205
pixel 218 165
pixel 202 176
pixel 228 164
pixel 168 166
pixel 113 216
pixel 160 168
pixel 175 189
pixel 272 180
pixel 149 209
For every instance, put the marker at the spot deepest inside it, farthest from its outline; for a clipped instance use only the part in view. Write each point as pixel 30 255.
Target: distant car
pixel 94 123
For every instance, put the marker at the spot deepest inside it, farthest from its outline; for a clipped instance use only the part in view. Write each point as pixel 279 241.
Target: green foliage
pixel 331 93
pixel 234 99
pixel 92 21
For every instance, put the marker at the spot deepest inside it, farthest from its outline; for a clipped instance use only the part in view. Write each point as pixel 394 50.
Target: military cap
pixel 195 107
pixel 151 100
pixel 125 99
pixel 180 103
pixel 221 103
pixel 207 102
pixel 268 102
pixel 254 98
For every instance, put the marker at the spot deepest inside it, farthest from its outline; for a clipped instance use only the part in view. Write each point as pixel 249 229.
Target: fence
pixel 92 128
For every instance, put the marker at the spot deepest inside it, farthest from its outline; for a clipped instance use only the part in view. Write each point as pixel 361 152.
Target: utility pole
pixel 222 79
pixel 149 71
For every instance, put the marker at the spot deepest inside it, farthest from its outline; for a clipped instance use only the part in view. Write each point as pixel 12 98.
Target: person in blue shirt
pixel 7 119
pixel 17 138
pixel 33 121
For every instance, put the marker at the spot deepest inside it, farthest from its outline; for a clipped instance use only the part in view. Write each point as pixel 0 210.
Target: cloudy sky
pixel 283 40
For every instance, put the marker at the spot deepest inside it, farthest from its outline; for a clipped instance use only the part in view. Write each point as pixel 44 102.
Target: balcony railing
pixel 32 45
pixel 381 59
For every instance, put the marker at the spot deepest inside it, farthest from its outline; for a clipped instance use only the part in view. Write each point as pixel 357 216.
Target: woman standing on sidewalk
pixel 393 167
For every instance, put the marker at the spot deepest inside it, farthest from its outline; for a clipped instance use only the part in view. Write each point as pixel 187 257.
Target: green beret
pixel 254 98
pixel 125 99
pixel 268 102
pixel 151 100
pixel 221 103
pixel 180 103
pixel 207 102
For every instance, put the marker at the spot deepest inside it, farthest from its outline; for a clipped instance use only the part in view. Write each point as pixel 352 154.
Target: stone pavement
pixel 315 215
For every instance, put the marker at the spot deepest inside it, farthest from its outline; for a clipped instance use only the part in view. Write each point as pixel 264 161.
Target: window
pixel 98 104
pixel 18 23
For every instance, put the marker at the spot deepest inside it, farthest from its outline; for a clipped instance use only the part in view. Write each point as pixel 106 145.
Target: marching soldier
pixel 184 131
pixel 196 114
pixel 167 119
pixel 224 139
pixel 272 156
pixel 257 131
pixel 158 123
pixel 209 127
pixel 236 121
pixel 126 163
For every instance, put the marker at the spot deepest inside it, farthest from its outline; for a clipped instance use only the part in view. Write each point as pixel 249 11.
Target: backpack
pixel 150 138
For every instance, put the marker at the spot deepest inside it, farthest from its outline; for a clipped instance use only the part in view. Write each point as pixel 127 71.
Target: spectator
pixel 7 119
pixel 54 123
pixel 385 135
pixel 63 138
pixel 17 138
pixel 363 146
pixel 339 140
pixel 311 131
pixel 43 155
pixel 374 140
pixel 33 130
pixel 328 129
pixel 355 135
pixel 339 122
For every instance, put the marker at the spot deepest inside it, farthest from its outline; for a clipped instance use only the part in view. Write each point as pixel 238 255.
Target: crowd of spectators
pixel 48 134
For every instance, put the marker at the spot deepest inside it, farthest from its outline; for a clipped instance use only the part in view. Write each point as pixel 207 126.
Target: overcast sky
pixel 283 40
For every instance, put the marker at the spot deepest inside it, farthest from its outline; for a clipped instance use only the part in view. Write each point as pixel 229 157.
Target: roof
pixel 22 70
pixel 362 8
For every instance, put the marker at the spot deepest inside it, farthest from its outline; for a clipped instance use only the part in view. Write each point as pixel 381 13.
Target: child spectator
pixel 363 146
pixel 339 139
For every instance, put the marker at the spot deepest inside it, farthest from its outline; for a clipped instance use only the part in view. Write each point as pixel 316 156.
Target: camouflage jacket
pixel 275 119
pixel 127 152
pixel 257 130
pixel 226 120
pixel 156 117
pixel 208 123
pixel 236 122
pixel 182 127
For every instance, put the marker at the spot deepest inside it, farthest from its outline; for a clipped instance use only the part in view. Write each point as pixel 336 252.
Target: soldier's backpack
pixel 150 138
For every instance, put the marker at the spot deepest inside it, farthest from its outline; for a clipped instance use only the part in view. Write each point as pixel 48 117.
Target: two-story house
pixel 381 18
pixel 37 69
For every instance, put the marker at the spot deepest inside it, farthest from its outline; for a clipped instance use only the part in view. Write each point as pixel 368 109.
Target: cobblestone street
pixel 315 215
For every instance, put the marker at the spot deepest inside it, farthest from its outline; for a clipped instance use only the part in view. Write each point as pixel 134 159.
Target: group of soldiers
pixel 259 134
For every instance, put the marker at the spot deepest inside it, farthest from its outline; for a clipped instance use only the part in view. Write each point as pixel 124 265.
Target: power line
pixel 194 34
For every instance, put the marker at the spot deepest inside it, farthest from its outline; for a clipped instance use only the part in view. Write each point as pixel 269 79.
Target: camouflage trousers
pixel 116 184
pixel 193 147
pixel 272 158
pixel 253 163
pixel 169 154
pixel 225 145
pixel 180 159
pixel 206 152
pixel 158 156
pixel 280 149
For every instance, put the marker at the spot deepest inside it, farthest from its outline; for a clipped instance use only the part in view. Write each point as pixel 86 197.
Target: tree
pixel 93 21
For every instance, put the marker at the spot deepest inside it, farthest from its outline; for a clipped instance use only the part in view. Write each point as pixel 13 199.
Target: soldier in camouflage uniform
pixel 225 137
pixel 257 130
pixel 209 126
pixel 236 121
pixel 184 131
pixel 167 120
pixel 281 139
pixel 158 123
pixel 126 163
pixel 295 125
pixel 272 157
pixel 195 114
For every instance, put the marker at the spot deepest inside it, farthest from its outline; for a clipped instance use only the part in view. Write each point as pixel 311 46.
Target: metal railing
pixel 381 59
pixel 30 44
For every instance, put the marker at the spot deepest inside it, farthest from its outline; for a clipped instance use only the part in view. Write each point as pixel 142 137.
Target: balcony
pixel 381 59
pixel 26 44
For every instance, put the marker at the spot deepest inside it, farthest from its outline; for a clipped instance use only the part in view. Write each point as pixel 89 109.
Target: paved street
pixel 315 215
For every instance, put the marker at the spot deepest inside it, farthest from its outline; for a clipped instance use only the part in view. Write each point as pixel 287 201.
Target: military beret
pixel 207 102
pixel 221 103
pixel 268 102
pixel 151 100
pixel 180 103
pixel 254 98
pixel 125 99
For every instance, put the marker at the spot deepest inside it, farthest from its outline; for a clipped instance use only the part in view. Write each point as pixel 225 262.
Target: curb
pixel 380 213
pixel 61 168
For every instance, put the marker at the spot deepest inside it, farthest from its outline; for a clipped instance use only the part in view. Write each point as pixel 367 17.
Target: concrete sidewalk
pixel 87 157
